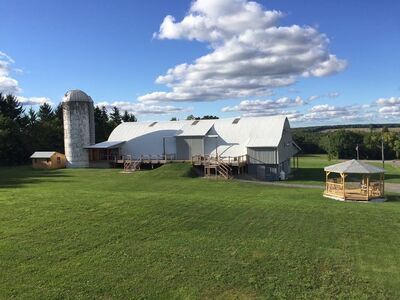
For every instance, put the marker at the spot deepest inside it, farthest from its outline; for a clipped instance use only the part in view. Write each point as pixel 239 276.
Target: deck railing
pixel 149 158
pixel 209 159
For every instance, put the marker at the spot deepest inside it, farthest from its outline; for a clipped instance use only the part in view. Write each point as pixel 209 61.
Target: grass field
pixel 163 234
pixel 311 170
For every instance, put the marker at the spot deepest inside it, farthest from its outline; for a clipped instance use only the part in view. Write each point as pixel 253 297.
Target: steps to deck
pixel 131 165
pixel 217 167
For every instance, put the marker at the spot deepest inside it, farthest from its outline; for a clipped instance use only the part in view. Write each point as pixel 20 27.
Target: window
pixel 152 124
pixel 236 121
pixel 195 122
pixel 58 160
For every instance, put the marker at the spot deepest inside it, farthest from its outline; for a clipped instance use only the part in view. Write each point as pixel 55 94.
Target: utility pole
pixel 383 153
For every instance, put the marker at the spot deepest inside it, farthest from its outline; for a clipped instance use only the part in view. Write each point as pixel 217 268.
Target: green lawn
pixel 311 170
pixel 162 234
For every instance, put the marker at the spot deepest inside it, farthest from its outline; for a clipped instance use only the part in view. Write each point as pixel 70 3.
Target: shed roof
pixel 43 154
pixel 106 145
pixel 354 167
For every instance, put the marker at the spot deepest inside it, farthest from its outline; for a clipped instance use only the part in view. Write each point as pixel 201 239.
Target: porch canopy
pixel 354 180
pixel 105 145
pixel 104 151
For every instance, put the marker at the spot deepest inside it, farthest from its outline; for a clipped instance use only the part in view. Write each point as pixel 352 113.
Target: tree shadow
pixel 392 176
pixel 393 198
pixel 308 174
pixel 18 176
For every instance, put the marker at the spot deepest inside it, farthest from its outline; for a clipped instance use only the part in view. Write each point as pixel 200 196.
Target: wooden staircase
pixel 221 168
pixel 131 165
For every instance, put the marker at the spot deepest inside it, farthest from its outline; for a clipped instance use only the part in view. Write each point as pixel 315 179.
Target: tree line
pixel 24 132
pixel 343 143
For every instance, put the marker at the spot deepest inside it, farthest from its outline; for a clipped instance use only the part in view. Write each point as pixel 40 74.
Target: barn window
pixel 152 124
pixel 195 122
pixel 236 121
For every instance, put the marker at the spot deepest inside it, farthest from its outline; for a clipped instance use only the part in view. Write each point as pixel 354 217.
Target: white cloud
pixel 389 101
pixel 317 114
pixel 333 95
pixel 143 108
pixel 250 53
pixel 389 107
pixel 328 95
pixel 33 100
pixel 263 107
pixel 8 85
pixel 326 113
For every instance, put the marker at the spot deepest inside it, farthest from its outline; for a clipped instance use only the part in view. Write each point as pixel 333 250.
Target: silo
pixel 78 113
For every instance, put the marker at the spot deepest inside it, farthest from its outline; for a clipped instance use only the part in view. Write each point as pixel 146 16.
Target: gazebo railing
pixel 353 190
pixel 334 188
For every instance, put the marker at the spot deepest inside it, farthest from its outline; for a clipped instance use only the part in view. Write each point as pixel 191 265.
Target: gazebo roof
pixel 354 167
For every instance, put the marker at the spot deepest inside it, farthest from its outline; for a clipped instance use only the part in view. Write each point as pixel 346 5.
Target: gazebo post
pixel 344 186
pixel 326 181
pixel 383 184
pixel 367 187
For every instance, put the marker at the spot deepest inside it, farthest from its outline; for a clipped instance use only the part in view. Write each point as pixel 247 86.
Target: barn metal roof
pixel 106 145
pixel 234 137
pixel 43 154
pixel 354 167
pixel 196 128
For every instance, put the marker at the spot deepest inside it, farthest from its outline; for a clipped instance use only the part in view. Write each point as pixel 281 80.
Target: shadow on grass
pixel 393 198
pixel 392 176
pixel 13 177
pixel 308 174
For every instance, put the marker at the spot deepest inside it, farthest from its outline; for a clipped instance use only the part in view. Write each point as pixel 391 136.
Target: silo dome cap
pixel 77 96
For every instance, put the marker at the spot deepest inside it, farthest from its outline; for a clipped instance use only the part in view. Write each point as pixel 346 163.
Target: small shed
pixel 48 160
pixel 354 180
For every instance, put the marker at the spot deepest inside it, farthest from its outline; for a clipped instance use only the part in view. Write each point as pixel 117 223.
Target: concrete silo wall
pixel 78 132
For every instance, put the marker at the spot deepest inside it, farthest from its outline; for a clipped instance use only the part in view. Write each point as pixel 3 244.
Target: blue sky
pixel 319 62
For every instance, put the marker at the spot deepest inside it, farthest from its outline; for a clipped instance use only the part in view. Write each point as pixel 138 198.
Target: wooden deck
pixel 221 166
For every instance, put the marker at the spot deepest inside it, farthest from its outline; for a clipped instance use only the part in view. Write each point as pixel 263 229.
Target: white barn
pixel 265 142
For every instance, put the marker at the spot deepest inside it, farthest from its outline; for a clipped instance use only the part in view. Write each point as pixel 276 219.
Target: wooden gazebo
pixel 354 180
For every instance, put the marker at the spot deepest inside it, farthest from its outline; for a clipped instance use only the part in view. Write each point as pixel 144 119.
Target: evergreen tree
pixel 46 113
pixel 209 117
pixel 58 113
pixel 115 117
pixel 50 133
pixel 13 145
pixel 102 124
pixel 192 117
pixel 128 117
pixel 10 107
pixel 32 117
